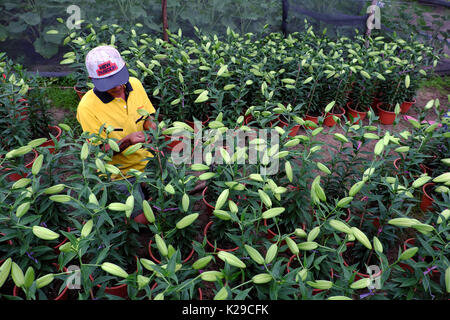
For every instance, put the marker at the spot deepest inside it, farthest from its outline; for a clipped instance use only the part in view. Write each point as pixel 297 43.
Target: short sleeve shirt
pixel 100 108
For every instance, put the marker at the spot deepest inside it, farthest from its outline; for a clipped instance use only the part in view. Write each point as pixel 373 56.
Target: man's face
pixel 116 91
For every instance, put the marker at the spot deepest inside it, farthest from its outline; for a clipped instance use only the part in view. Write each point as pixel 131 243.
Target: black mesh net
pixel 25 25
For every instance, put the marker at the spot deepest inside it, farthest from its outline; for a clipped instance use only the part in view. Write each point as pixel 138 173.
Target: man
pixel 115 101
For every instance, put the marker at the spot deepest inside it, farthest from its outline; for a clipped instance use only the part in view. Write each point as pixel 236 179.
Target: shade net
pixel 24 25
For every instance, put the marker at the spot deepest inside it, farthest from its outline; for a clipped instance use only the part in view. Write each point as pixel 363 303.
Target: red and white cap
pixel 106 68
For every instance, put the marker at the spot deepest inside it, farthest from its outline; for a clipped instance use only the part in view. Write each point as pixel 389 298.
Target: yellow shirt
pixel 97 108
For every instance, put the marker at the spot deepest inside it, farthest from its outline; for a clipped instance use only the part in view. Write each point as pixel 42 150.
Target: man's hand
pixel 136 137
pixel 149 124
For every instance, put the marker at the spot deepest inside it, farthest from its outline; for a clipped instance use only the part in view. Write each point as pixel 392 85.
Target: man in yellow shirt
pixel 115 101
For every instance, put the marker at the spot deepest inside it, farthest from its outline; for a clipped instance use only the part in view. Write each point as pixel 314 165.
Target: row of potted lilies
pixel 202 77
pixel 282 215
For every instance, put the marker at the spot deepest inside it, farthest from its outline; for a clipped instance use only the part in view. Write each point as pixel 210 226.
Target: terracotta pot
pixel 411 242
pixel 209 207
pixel 359 275
pixel 192 124
pixel 50 142
pixel 119 291
pixel 294 130
pixel 56 248
pixel 174 142
pixel 248 119
pixel 15 176
pixel 288 270
pixel 329 120
pixel 386 117
pixel 79 92
pixel 272 236
pixel 426 203
pixel 314 119
pixel 374 103
pixel 62 296
pixel 424 168
pixel 211 246
pixel 159 261
pixel 362 114
pixel 404 107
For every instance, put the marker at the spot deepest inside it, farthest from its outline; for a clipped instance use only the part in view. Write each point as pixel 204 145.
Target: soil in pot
pixel 355 255
pixel 355 112
pixel 217 237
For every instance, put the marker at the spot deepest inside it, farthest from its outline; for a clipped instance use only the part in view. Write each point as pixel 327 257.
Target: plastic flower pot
pixel 426 203
pixel 248 118
pixel 314 119
pixel 209 207
pixel 374 103
pixel 50 142
pixel 359 275
pixel 159 261
pixel 62 296
pixel 282 124
pixel 211 246
pixel 404 107
pixel 56 248
pixel 397 165
pixel 174 142
pixel 409 243
pixel 15 176
pixel 79 92
pixel 355 114
pixel 119 291
pixel 192 123
pixel 272 236
pixel 329 120
pixel 386 117
pixel 288 270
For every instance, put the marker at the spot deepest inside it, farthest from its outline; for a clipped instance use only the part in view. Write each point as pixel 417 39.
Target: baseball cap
pixel 106 68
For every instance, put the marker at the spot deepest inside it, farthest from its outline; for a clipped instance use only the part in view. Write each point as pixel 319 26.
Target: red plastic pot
pixel 119 291
pixel 355 114
pixel 329 120
pixel 404 107
pixel 79 92
pixel 412 242
pixel 15 176
pixel 174 142
pixel 209 207
pixel 386 117
pixel 159 261
pixel 56 248
pixel 294 129
pixel 205 234
pixel 426 203
pixel 192 124
pixel 359 275
pixel 62 296
pixel 314 119
pixel 271 235
pixel 50 142
pixel 291 259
